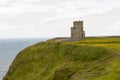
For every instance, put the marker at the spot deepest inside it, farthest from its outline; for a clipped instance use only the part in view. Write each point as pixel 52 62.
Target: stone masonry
pixel 77 31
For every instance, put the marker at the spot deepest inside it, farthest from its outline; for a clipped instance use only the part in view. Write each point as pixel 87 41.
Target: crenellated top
pixel 78 23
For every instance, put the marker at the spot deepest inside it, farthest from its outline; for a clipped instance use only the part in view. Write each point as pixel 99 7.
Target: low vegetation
pixel 88 59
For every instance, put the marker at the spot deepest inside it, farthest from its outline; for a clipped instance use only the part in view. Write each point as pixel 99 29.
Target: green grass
pixel 88 59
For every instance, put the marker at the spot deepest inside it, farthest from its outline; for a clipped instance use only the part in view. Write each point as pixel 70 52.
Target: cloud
pixel 59 6
pixel 19 15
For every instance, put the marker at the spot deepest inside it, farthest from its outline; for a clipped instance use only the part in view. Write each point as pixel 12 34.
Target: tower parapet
pixel 77 23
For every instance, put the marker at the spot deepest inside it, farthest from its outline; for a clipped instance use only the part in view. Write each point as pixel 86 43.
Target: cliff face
pixel 88 59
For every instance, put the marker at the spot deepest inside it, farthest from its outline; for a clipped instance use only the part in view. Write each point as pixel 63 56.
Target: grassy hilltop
pixel 88 59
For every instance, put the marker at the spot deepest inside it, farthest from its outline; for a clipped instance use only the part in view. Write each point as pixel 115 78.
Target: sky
pixel 53 18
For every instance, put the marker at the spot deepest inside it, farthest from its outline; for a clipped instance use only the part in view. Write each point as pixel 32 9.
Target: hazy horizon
pixel 53 18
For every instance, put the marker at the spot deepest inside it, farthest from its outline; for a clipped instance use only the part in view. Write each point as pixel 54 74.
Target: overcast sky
pixel 53 18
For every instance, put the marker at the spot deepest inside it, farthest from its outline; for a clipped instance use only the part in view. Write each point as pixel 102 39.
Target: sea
pixel 9 48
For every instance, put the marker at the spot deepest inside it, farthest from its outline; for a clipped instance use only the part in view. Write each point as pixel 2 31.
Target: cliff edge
pixel 88 59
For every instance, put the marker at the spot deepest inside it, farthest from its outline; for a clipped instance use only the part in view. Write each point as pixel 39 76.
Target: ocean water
pixel 9 48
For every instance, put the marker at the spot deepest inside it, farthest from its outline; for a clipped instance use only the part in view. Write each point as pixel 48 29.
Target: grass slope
pixel 88 59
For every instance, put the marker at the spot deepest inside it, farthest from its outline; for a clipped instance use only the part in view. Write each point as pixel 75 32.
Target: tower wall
pixel 77 31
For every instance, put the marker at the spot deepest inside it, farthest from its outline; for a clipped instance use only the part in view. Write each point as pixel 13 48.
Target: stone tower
pixel 77 31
